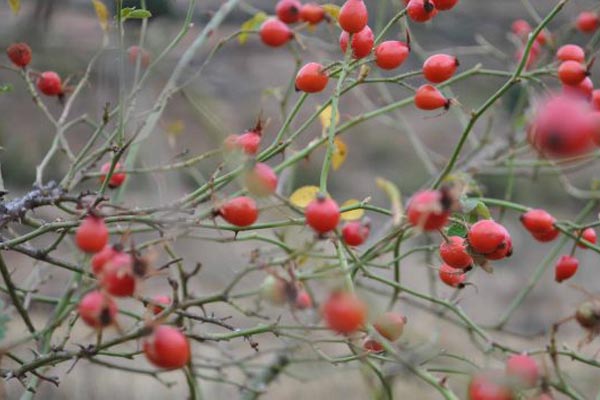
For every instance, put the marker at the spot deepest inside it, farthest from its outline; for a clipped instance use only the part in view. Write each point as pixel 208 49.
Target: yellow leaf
pixel 101 13
pixel 393 193
pixel 251 25
pixel 352 215
pixel 332 10
pixel 340 153
pixel 15 6
pixel 325 117
pixel 304 195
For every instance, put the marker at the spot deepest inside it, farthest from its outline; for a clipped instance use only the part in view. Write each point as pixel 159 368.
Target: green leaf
pixel 6 88
pixel 483 211
pixel 126 11
pixel 4 318
pixel 251 25
pixel 457 230
pixel 469 204
pixel 139 14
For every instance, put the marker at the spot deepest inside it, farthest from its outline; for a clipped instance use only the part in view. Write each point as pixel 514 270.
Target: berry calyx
pixel 587 21
pixel 19 54
pixel 344 312
pixel 92 234
pixel 261 180
pixel 288 11
pixel 429 209
pixel 275 33
pixel 322 214
pixel 391 54
pixel 452 277
pixel 421 10
pixel 116 179
pixel 160 302
pixel 523 369
pixel 565 268
pixel 311 78
pixel 167 348
pixel 353 16
pixel 372 345
pixel 356 233
pixel 240 211
pixel 390 325
pixel 570 52
pixel 50 84
pixel 312 13
pixel 117 276
pixel 428 97
pixel 362 42
pixel 454 253
pixel 97 310
pixel 490 239
pixel 440 67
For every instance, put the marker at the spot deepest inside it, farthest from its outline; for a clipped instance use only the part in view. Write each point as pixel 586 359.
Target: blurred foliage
pixel 156 7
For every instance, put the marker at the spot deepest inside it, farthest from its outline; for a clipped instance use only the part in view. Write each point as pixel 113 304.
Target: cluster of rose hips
pixel 521 375
pixel 275 32
pixel 50 82
pixel 117 273
pixel 542 226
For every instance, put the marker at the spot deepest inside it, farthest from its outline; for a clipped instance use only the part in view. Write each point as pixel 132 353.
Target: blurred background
pixel 245 81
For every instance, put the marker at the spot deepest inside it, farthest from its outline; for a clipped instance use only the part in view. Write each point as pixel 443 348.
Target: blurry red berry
pixel 274 290
pixel 311 78
pixel 353 16
pixel 240 211
pixel 362 42
pixel 288 11
pixel 572 72
pixel 355 233
pixel 595 100
pixel 117 276
pixel 248 142
pixel 50 84
pixel 116 179
pixel 312 13
pixel 92 234
pixel 421 10
pixel 102 257
pixel 19 54
pixel 524 369
pixel 390 325
pixel 538 221
pixel 97 309
pixel 546 236
pixel 556 136
pixel 160 302
pixel 583 90
pixel 570 52
pixel 428 210
pixel 275 33
pixel 454 253
pixel 261 180
pixel 452 277
pixel 439 68
pixel 487 236
pixel 566 267
pixel 589 235
pixel 587 21
pixel 444 5
pixel 486 386
pixel 134 52
pixel 344 312
pixel 521 28
pixel 391 54
pixel 303 300
pixel 167 348
pixel 322 214
pixel 428 97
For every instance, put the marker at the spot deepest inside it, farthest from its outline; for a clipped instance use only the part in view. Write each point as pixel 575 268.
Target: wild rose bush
pixel 332 288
